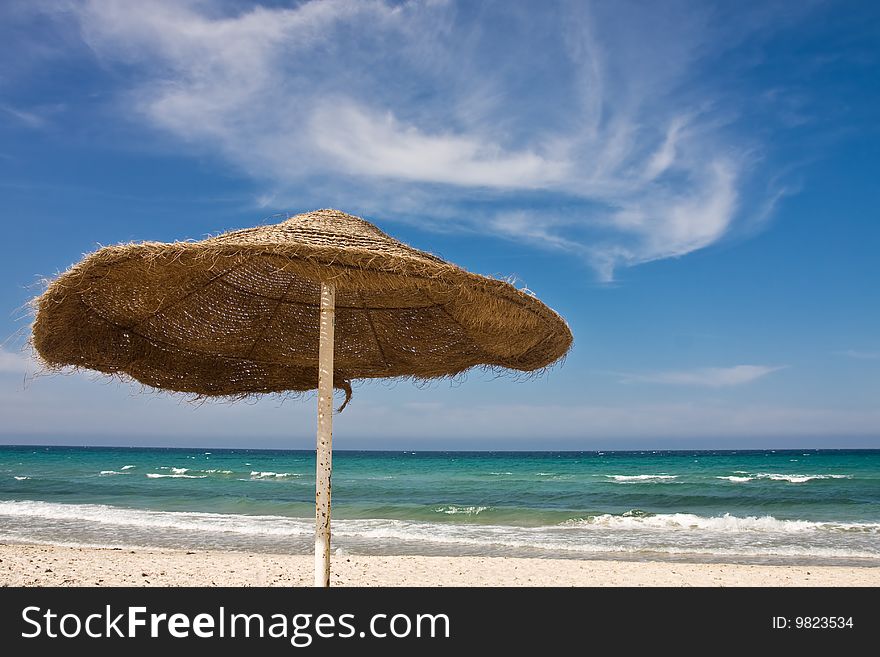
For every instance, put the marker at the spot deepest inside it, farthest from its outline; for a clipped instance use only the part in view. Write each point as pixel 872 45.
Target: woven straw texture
pixel 237 314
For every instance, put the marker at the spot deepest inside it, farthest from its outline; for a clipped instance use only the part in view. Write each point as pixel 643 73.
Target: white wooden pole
pixel 324 450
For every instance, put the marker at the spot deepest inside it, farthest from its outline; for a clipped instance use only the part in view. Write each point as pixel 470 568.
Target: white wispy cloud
pixel 380 145
pixel 15 362
pixel 595 129
pixel 710 377
pixel 31 119
pixel 859 354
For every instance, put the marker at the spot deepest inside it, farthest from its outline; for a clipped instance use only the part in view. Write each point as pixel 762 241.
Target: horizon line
pixel 458 451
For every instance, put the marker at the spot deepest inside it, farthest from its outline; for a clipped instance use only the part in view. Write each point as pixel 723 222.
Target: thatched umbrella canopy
pixel 252 311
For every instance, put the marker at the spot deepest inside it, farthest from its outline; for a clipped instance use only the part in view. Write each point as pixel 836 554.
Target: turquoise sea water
pixel 814 506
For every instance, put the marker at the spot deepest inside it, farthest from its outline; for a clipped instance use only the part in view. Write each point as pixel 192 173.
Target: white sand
pixel 45 565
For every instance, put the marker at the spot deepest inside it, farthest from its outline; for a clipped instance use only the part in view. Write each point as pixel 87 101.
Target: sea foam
pixel 255 474
pixel 726 523
pixel 671 534
pixel 452 509
pixel 642 477
pixel 800 478
pixel 775 476
pixel 156 475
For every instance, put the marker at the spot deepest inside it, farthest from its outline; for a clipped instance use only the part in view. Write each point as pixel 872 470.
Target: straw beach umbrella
pixel 315 301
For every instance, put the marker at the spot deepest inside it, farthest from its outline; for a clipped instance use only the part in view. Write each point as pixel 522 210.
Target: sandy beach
pixel 47 565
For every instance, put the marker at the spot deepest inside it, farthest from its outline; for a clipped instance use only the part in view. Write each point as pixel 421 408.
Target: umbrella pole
pixel 324 452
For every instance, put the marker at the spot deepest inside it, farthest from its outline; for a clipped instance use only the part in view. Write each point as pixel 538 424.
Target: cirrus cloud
pixel 711 377
pixel 591 129
pixel 12 362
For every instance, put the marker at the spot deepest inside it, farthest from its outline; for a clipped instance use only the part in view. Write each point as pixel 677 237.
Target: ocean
pixel 792 506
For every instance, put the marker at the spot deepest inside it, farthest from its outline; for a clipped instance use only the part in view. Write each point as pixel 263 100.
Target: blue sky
pixel 692 185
